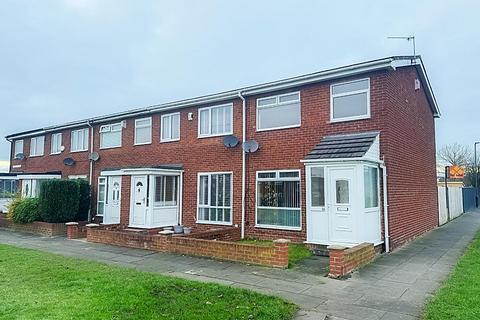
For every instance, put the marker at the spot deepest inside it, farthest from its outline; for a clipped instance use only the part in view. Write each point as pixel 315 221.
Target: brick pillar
pixel 91 227
pixel 161 241
pixel 337 264
pixel 280 253
pixel 72 230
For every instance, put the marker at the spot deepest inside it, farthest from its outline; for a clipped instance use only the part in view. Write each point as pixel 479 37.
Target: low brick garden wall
pixel 346 260
pixel 36 227
pixel 76 230
pixel 275 255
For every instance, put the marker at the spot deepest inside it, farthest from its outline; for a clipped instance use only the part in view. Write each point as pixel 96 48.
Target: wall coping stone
pixel 92 225
pixel 281 241
pixel 71 224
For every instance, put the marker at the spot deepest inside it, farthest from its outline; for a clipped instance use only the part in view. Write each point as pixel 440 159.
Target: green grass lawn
pixel 296 251
pixel 39 285
pixel 459 298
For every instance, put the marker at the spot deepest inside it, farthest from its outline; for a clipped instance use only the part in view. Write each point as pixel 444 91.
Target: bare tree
pixel 455 154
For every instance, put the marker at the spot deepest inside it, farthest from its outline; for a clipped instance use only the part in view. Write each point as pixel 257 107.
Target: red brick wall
pixel 36 227
pixel 400 113
pixel 273 256
pixel 344 261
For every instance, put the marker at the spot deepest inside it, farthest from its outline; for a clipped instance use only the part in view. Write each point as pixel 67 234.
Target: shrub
pixel 59 200
pixel 84 200
pixel 26 211
pixel 13 204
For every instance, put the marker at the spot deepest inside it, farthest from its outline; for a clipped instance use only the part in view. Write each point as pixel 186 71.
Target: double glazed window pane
pixel 350 106
pixel 170 127
pixel 36 146
pixel 79 140
pixel 143 131
pixel 216 120
pixel 342 192
pixel 350 86
pixel 56 144
pixel 215 197
pixel 277 112
pixel 166 190
pixel 370 178
pixel 317 181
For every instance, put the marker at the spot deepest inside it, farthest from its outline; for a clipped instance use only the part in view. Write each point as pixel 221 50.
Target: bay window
pixel 278 199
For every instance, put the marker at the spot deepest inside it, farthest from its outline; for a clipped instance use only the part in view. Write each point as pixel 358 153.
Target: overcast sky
pixel 71 59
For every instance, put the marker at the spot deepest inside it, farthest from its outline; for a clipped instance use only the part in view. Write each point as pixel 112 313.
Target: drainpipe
pixel 90 176
pixel 385 208
pixel 244 167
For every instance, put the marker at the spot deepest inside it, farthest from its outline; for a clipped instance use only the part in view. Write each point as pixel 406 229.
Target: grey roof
pixel 353 145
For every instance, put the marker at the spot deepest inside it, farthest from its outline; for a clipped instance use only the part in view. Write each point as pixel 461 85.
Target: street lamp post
pixel 476 172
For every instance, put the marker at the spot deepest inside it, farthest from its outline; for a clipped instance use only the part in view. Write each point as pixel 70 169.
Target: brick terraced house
pixel 341 156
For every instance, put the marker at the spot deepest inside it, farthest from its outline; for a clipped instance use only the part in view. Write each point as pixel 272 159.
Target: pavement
pixel 394 286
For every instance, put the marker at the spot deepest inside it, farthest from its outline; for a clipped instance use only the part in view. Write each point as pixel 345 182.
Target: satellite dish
pixel 94 156
pixel 68 161
pixel 19 156
pixel 230 141
pixel 250 146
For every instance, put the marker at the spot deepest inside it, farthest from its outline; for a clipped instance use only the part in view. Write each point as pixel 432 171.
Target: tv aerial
pixel 408 38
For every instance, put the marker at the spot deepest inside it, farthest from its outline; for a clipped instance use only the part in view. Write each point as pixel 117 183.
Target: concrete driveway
pixel 395 286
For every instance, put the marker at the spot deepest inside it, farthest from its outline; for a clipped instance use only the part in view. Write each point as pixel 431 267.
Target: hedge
pixel 26 210
pixel 59 200
pixel 84 200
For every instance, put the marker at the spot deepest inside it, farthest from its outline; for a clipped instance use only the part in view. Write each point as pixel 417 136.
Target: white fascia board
pixel 140 171
pixel 338 160
pixel 39 176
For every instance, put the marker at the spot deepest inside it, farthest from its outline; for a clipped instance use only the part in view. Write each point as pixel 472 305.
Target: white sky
pixel 71 59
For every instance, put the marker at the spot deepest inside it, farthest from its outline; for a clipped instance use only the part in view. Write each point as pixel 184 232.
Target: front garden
pixel 59 201
pixel 39 285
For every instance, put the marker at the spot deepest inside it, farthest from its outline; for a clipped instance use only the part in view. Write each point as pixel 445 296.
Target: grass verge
pixel 40 285
pixel 459 297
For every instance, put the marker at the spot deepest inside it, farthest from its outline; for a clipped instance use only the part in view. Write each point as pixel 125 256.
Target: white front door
pixel 112 204
pixel 340 204
pixel 139 201
pixel 317 215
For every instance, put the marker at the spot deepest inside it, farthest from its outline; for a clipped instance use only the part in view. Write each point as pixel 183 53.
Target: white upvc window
pixel 170 127
pixel 215 121
pixel 215 192
pixel 111 135
pixel 370 184
pixel 350 100
pixel 37 146
pixel 143 131
pixel 278 112
pixel 56 143
pixel 278 202
pixel 79 140
pixel 101 196
pixel 165 191
pixel 18 148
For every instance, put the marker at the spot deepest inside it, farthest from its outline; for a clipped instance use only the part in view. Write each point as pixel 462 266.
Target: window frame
pixel 277 104
pixel 110 130
pixel 378 189
pixel 85 137
pixel 161 204
pixel 52 140
pixel 135 143
pixel 170 115
pixel 15 148
pixel 350 93
pixel 104 202
pixel 209 174
pixel 209 108
pixel 36 144
pixel 277 178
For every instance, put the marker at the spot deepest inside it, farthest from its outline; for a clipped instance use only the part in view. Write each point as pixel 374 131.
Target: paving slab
pixel 395 286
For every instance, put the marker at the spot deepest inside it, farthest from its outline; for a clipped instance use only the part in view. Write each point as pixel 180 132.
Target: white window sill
pixel 214 135
pixel 214 222
pixel 332 120
pixel 35 155
pixel 76 151
pixel 280 128
pixel 113 147
pixel 265 226
pixel 169 140
pixel 142 144
pixel 55 153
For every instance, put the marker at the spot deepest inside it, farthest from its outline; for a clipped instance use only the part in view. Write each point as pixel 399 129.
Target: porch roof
pixel 353 145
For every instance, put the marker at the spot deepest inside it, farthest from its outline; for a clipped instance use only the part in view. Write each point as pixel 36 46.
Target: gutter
pixel 244 161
